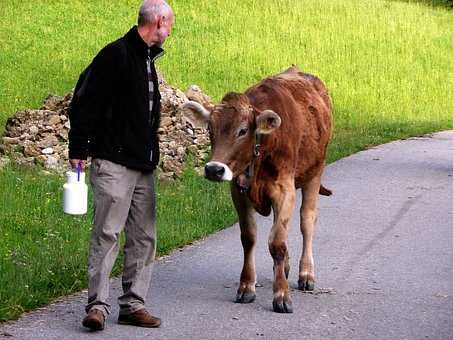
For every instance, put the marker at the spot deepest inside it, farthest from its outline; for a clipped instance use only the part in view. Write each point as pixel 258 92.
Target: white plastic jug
pixel 75 193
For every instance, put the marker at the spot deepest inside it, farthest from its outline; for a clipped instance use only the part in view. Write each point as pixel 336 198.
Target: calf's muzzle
pixel 216 171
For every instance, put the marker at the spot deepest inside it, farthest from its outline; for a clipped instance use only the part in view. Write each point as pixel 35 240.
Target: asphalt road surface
pixel 383 255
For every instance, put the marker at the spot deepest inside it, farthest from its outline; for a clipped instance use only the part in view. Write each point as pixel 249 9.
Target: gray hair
pixel 150 10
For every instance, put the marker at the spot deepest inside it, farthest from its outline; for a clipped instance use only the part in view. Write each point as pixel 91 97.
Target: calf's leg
pixel 283 195
pixel 246 291
pixel 308 217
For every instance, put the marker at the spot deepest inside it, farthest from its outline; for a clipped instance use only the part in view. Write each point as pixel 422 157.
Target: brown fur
pixel 291 157
pixel 299 145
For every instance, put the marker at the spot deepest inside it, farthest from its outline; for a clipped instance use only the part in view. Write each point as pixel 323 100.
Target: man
pixel 114 115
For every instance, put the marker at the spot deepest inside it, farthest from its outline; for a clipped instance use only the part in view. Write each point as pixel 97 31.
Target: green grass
pixel 433 3
pixel 389 75
pixel 387 65
pixel 43 252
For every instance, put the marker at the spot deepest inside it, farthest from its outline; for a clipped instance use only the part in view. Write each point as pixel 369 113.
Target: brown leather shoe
pixel 140 318
pixel 94 320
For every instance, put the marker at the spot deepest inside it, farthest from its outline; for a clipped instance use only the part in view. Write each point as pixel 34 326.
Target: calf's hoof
pixel 282 305
pixel 245 297
pixel 306 285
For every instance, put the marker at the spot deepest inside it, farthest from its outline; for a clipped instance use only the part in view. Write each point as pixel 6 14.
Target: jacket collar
pixel 136 41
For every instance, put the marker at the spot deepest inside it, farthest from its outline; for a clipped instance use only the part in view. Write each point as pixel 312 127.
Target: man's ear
pixel 196 113
pixel 160 21
pixel 267 122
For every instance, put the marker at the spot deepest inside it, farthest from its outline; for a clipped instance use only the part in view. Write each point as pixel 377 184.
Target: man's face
pixel 164 29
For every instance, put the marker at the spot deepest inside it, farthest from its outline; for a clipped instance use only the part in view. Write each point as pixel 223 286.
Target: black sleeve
pixel 91 95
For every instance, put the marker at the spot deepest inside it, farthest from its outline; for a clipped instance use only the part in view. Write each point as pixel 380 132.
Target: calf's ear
pixel 267 122
pixel 195 112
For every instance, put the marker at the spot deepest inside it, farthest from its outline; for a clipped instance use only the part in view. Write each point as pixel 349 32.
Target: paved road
pixel 383 251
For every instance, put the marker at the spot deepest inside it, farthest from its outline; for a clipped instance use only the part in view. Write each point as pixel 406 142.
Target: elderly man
pixel 114 116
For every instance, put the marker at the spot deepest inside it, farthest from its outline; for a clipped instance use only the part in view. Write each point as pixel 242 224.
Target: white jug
pixel 75 193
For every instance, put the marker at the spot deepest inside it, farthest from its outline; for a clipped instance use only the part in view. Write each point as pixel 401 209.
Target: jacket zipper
pixel 148 70
pixel 148 73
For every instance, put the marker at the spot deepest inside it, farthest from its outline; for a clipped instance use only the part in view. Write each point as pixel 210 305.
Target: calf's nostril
pixel 214 172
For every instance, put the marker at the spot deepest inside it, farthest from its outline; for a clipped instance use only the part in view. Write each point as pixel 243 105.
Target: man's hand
pixel 75 162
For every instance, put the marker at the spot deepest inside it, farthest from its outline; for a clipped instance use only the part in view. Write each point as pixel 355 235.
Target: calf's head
pixel 234 126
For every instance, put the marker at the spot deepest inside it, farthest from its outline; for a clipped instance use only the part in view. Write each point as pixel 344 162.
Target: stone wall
pixel 40 137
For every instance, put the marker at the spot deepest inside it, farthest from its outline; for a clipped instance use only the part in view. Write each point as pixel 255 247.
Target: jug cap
pixel 74 176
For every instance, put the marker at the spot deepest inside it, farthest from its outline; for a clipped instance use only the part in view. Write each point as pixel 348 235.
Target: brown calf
pixel 268 142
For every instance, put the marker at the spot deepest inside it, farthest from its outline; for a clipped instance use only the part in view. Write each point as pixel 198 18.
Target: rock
pixel 27 161
pixel 181 150
pixel 165 121
pixel 193 149
pixel 53 120
pixel 170 165
pixel 49 128
pixel 31 150
pixel 51 162
pixel 47 151
pixel 48 141
pixel 63 134
pixel 52 102
pixel 33 130
pixel 41 160
pixel 24 136
pixel 65 152
pixel 180 94
pixel 11 140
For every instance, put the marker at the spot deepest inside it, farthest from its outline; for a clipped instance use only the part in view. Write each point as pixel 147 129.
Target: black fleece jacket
pixel 109 112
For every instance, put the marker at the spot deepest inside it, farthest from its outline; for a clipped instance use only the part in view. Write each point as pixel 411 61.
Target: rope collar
pixel 243 180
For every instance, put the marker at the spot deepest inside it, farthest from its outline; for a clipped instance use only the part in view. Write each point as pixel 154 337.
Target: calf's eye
pixel 242 132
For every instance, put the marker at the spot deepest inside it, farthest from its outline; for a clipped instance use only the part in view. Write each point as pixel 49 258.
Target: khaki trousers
pixel 123 199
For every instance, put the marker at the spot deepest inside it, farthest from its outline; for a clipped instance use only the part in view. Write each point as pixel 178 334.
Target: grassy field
pixel 387 65
pixel 43 253
pixel 434 3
